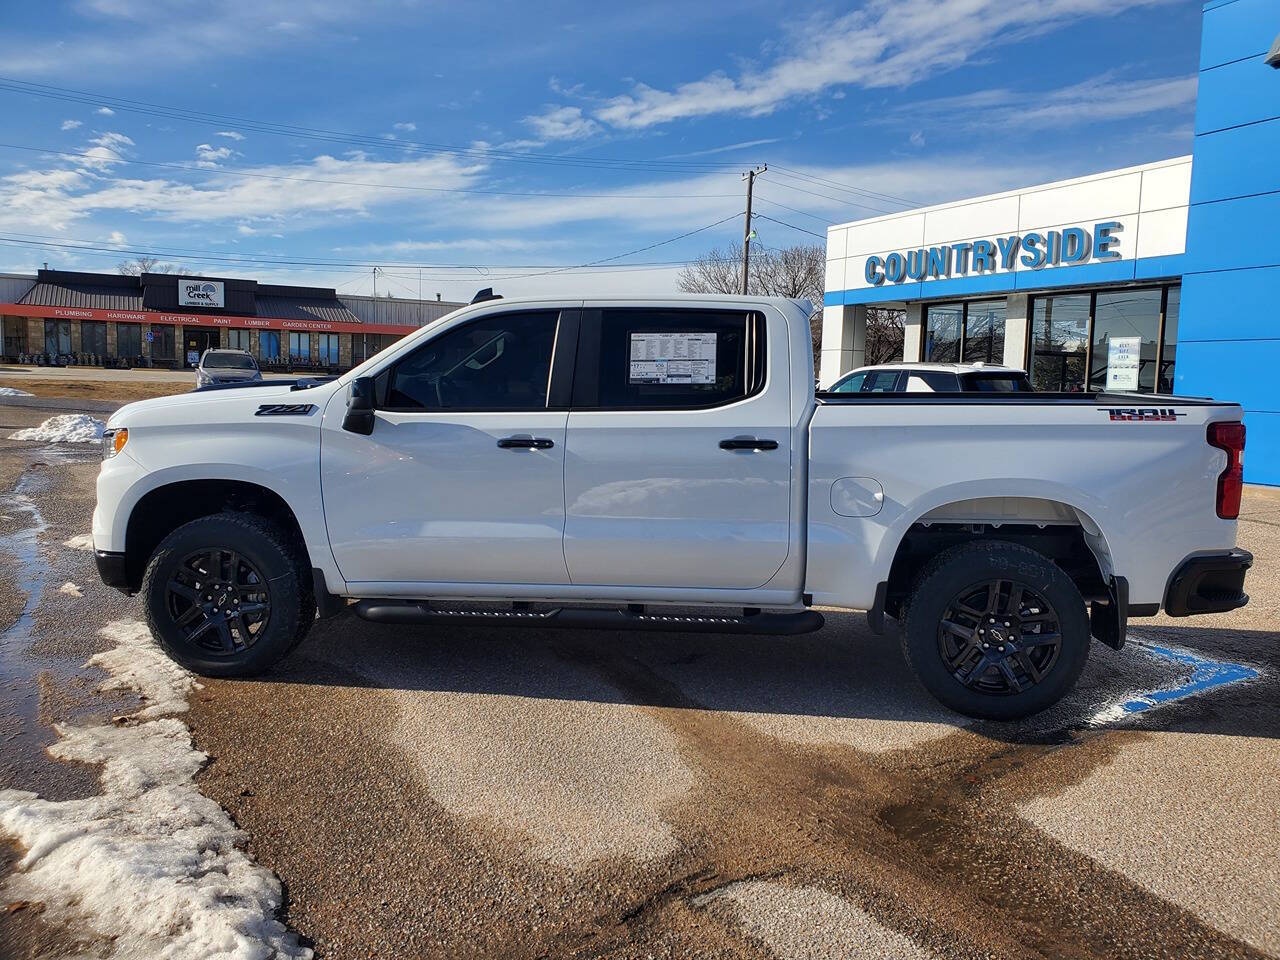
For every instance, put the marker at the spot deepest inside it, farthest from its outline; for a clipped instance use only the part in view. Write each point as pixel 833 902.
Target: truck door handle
pixel 748 443
pixel 522 441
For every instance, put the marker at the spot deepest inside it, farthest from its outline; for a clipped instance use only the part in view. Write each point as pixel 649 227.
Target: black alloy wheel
pixel 999 637
pixel 219 600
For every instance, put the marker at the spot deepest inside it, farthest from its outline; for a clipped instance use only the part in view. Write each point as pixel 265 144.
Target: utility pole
pixel 750 177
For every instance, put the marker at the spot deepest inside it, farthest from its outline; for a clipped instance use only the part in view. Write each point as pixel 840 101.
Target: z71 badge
pixel 1142 414
pixel 285 409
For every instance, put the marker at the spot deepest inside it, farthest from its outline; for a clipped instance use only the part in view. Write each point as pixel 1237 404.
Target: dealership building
pixel 167 320
pixel 1158 278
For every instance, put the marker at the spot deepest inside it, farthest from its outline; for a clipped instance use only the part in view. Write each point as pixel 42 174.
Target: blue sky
pixel 490 143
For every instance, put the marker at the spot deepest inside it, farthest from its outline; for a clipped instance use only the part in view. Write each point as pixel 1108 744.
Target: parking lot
pixel 519 793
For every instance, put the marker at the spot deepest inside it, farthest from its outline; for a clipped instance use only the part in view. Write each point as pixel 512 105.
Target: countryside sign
pixel 1033 250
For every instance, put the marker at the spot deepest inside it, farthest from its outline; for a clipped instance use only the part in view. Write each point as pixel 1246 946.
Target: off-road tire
pixel 955 570
pixel 286 577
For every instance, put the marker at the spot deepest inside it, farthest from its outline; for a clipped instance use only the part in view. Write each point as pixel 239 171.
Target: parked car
pixel 554 455
pixel 226 366
pixel 932 378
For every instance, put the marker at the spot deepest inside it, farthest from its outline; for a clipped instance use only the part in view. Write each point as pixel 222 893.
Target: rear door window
pixel 631 359
pixel 851 384
pixel 997 382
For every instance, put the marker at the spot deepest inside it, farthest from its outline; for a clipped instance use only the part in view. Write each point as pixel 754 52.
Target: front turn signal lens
pixel 113 441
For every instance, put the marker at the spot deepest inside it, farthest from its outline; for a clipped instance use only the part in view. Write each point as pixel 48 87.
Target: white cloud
pixel 1096 100
pixel 70 124
pixel 562 123
pixel 917 138
pixel 209 156
pixel 230 134
pixel 408 127
pixel 884 44
pixel 105 112
pixel 117 238
pixel 727 148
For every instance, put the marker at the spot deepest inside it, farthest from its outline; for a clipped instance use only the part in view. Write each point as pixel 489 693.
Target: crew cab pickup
pixel 614 463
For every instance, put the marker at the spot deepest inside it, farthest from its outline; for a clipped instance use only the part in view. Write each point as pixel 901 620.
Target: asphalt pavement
pixel 487 792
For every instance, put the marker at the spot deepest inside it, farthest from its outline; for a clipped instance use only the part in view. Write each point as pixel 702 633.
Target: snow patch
pixel 151 863
pixel 14 392
pixel 64 428
pixel 81 541
pixel 71 589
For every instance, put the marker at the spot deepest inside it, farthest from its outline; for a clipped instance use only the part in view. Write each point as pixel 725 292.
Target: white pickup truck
pixel 551 456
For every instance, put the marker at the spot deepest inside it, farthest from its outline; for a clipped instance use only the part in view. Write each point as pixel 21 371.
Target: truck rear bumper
pixel 1208 584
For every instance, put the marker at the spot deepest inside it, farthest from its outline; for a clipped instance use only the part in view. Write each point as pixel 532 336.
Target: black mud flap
pixel 1109 622
pixel 327 604
pixel 875 616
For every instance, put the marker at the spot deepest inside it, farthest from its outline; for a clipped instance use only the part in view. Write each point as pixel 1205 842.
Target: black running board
pixel 579 618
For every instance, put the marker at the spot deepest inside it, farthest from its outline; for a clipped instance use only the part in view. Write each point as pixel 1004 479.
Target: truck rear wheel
pixel 995 630
pixel 224 595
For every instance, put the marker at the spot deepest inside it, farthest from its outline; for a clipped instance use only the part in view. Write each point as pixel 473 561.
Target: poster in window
pixel 1124 358
pixel 673 357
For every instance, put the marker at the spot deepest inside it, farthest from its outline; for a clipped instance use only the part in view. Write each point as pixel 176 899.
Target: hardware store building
pixel 160 319
pixel 1159 278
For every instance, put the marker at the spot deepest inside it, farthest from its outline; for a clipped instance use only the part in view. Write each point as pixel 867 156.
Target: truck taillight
pixel 1229 437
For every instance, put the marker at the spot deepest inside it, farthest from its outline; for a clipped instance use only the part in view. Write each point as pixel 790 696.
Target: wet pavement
pixel 471 792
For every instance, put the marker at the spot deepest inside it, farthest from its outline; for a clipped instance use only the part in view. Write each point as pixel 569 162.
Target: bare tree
pixel 797 272
pixel 140 265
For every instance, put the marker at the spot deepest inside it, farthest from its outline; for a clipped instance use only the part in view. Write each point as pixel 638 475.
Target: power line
pixel 845 186
pixel 93 249
pixel 803 213
pixel 231 172
pixel 843 201
pixel 783 223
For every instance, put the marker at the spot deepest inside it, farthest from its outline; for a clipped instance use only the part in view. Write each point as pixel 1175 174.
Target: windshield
pixel 229 361
pixel 997 382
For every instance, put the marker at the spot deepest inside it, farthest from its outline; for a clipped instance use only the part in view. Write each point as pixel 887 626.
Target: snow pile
pixel 13 392
pixel 71 589
pixel 151 863
pixel 64 428
pixel 81 541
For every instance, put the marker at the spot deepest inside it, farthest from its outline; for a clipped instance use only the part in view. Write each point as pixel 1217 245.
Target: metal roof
pixel 90 296
pixel 300 308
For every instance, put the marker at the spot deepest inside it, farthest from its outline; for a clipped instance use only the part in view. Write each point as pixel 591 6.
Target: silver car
pixel 226 366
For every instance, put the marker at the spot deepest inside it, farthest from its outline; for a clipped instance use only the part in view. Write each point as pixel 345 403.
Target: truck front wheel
pixel 995 630
pixel 224 596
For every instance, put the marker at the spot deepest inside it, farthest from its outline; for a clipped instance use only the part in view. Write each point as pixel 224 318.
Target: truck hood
pixel 217 405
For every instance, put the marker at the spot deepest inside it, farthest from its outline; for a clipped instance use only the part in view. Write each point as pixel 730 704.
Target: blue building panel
pixel 1235 94
pixel 1237 29
pixel 1234 234
pixel 1238 305
pixel 1236 162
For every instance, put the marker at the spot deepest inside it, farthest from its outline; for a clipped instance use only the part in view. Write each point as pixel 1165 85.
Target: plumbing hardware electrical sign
pixel 1034 250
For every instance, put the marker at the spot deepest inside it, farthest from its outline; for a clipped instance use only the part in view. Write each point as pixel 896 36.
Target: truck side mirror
pixel 359 416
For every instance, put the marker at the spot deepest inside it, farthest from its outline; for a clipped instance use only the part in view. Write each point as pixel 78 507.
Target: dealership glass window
pixel 57 337
pixel 300 347
pixel 971 332
pixel 1169 353
pixel 128 340
pixel 943 330
pixel 15 336
pixel 238 339
pixel 1125 314
pixel 269 346
pixel 327 349
pixel 163 345
pixel 93 337
pixel 1059 342
pixel 984 322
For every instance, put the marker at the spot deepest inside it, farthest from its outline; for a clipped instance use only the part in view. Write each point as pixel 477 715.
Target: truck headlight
pixel 113 441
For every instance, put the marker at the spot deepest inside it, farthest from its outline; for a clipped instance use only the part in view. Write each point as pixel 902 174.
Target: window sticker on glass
pixel 673 358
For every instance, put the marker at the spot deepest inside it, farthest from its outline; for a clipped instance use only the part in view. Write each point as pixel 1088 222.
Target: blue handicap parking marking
pixel 1206 674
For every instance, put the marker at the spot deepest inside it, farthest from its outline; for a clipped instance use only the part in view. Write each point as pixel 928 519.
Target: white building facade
pixel 1077 282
